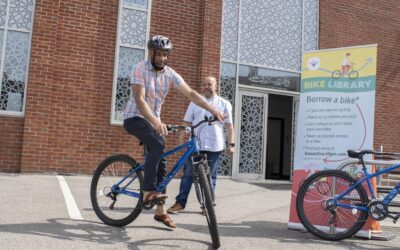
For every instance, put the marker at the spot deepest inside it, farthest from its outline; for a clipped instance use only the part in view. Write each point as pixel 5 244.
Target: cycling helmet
pixel 159 42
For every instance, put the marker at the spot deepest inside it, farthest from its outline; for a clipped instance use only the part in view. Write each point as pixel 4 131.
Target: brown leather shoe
pixel 176 208
pixel 154 196
pixel 165 219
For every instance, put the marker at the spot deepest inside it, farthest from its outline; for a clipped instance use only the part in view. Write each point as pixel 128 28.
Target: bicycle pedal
pixel 148 205
pixel 396 218
pixel 161 202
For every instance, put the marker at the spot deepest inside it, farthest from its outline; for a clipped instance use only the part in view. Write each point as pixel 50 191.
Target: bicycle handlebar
pixel 176 128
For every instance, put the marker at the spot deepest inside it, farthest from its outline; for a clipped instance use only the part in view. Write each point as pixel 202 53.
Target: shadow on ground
pixel 73 230
pixel 273 186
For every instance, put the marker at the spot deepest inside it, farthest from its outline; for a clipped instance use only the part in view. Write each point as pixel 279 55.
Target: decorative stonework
pixel 21 14
pixel 251 135
pixel 127 58
pixel 141 4
pixel 310 32
pixel 227 91
pixel 14 71
pixel 270 34
pixel 133 27
pixel 3 8
pixel 230 30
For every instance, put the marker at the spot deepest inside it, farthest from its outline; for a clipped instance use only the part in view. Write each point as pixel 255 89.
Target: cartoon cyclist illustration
pixel 346 64
pixel 347 69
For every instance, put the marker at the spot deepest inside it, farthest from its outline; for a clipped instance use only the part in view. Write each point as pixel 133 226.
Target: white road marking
pixel 73 209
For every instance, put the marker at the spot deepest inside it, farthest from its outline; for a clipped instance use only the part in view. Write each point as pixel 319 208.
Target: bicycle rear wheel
pixel 325 221
pixel 336 74
pixel 110 201
pixel 205 190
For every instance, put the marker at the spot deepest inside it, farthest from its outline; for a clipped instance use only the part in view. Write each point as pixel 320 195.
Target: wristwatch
pixel 231 144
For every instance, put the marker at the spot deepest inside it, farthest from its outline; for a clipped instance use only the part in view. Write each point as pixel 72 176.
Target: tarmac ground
pixel 34 215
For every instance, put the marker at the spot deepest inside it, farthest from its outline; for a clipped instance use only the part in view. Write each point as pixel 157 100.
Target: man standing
pixel 211 139
pixel 150 82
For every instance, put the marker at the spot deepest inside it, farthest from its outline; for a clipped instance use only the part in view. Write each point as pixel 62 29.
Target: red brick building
pixel 66 124
pixel 74 58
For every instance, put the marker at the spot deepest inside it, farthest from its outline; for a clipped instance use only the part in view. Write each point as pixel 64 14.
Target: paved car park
pixel 35 213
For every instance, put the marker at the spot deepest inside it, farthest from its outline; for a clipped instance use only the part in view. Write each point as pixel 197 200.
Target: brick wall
pixel 67 121
pixel 351 23
pixel 11 133
pixel 66 127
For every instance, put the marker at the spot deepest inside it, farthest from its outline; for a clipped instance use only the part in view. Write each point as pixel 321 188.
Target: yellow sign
pixel 350 63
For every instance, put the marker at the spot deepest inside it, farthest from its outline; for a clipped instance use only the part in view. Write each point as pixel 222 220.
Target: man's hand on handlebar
pixel 218 115
pixel 161 128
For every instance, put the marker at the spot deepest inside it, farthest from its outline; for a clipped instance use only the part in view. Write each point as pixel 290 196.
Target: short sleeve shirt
pixel 210 138
pixel 156 84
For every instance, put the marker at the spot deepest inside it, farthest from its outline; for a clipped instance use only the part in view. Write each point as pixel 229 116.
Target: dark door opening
pixel 275 148
pixel 279 137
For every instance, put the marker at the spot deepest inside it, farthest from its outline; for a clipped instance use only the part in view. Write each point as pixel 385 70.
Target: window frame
pixel 6 29
pixel 113 120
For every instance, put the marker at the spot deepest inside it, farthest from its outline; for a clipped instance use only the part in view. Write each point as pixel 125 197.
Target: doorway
pixel 279 137
pixel 263 132
pixel 274 168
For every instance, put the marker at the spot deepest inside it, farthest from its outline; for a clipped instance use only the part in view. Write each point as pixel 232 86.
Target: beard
pixel 159 66
pixel 208 93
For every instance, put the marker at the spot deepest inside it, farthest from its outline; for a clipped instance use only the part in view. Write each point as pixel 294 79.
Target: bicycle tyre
pixel 118 166
pixel 209 181
pixel 353 75
pixel 314 214
pixel 205 190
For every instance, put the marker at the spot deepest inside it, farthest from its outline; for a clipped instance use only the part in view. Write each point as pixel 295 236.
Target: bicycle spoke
pixel 318 210
pixel 113 206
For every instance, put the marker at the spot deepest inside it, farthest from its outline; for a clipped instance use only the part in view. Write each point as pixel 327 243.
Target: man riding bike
pixel 150 82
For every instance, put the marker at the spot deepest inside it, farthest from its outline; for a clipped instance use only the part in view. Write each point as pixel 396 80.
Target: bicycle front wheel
pixel 353 75
pixel 323 219
pixel 205 190
pixel 115 191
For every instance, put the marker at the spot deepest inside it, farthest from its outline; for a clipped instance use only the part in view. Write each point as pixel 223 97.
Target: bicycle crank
pixel 377 210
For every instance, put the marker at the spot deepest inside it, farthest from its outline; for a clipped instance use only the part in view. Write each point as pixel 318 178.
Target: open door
pixel 251 135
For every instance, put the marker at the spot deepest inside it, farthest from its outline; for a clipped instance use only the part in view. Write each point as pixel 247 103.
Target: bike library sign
pixel 336 111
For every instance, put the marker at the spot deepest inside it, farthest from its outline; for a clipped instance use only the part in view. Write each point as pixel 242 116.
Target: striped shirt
pixel 156 84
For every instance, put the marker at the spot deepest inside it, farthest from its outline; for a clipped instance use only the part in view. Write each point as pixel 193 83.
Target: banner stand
pixel 336 113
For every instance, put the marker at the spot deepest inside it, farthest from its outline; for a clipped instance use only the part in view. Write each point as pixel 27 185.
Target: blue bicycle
pixel 333 205
pixel 116 194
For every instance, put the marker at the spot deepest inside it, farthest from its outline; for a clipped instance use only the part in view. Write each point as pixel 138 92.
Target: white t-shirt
pixel 211 138
pixel 345 61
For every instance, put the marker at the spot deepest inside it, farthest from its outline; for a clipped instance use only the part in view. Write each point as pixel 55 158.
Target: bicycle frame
pixel 367 177
pixel 191 147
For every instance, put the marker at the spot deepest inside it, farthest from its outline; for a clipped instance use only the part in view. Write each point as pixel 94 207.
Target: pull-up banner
pixel 336 111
